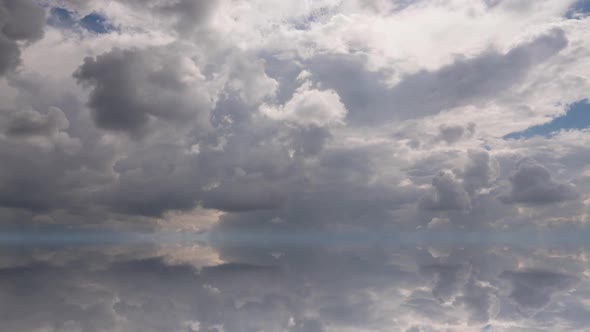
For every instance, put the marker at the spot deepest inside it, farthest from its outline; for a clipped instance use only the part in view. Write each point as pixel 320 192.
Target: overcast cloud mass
pixel 294 165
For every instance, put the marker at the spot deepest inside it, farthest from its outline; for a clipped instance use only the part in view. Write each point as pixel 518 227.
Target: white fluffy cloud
pixel 309 106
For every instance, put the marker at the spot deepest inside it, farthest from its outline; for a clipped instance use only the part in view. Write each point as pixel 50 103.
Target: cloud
pixel 260 196
pixel 10 56
pixel 32 123
pixel 19 21
pixel 534 289
pixel 456 190
pixel 453 133
pixel 479 172
pixel 309 106
pixel 448 194
pixel 184 15
pixel 480 302
pixel 131 88
pixel 466 81
pixel 296 166
pixel 92 289
pixel 532 184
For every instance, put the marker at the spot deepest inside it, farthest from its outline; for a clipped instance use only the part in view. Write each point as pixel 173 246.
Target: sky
pixel 577 116
pixel 294 166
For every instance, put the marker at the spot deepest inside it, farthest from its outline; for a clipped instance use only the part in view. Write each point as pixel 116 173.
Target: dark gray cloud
pixel 448 280
pixel 131 88
pixel 244 165
pixel 153 181
pixel 479 171
pixel 261 196
pixel 533 184
pixel 10 55
pixel 457 189
pixel 54 155
pixel 447 194
pixel 466 81
pixel 39 157
pixel 479 301
pixel 534 289
pixel 19 21
pixel 453 133
pixel 32 123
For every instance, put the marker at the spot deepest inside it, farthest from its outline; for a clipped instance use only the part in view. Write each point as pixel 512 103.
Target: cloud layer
pixel 301 166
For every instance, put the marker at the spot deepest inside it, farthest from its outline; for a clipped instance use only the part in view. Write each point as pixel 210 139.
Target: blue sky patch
pixel 580 8
pixel 577 117
pixel 94 22
pixel 61 17
pixel 487 328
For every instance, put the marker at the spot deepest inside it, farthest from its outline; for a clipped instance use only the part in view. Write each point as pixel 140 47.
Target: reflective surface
pixel 341 287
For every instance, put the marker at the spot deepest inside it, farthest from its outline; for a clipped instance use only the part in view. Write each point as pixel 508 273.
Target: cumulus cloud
pixel 448 194
pixel 453 133
pixel 457 189
pixel 533 184
pixel 309 106
pixel 132 87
